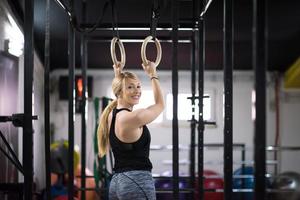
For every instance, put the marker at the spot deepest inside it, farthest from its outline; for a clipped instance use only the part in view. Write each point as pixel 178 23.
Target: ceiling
pixel 283 19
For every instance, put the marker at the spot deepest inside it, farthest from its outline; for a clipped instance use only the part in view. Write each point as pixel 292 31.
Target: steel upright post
pixel 259 65
pixel 175 99
pixel 28 82
pixel 71 63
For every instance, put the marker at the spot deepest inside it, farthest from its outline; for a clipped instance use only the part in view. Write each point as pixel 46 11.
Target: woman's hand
pixel 118 68
pixel 150 69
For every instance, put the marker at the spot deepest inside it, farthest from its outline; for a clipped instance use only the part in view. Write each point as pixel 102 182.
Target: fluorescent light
pixel 15 37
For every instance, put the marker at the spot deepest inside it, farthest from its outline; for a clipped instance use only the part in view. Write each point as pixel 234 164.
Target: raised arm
pixel 144 116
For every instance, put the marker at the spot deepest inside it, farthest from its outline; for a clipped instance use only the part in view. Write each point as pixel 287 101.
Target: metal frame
pixel 83 53
pixel 47 100
pixel 259 65
pixel 71 63
pixel 201 66
pixel 193 97
pixel 175 137
pixel 193 121
pixel 143 27
pixel 28 82
pixel 228 67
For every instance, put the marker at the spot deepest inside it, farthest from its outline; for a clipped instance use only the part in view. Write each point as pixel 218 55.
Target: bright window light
pixel 15 37
pixel 185 107
pixel 146 100
pixel 15 48
pixel 253 109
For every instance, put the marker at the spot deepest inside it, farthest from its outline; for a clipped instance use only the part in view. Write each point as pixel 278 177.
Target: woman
pixel 125 131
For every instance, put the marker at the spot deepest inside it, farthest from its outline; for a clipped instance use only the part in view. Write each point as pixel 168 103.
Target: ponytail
pixel 103 128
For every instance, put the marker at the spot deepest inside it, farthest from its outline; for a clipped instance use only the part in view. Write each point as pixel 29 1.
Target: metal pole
pixel 193 120
pixel 135 39
pixel 193 90
pixel 140 27
pixel 228 68
pixel 243 156
pixel 71 63
pixel 175 99
pixel 47 101
pixel 259 65
pixel 83 52
pixel 201 53
pixel 28 81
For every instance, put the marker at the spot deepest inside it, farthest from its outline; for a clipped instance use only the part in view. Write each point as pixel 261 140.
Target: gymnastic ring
pixel 113 51
pixel 143 51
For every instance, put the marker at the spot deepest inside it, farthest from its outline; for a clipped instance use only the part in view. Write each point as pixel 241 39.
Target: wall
pixel 162 133
pixel 39 132
pixel 290 129
pixel 3 22
pixel 38 99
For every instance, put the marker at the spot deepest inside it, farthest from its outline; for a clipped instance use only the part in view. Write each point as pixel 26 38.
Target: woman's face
pixel 131 91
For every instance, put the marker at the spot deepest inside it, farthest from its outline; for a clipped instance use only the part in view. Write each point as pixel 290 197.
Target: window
pixel 15 38
pixel 253 106
pixel 146 100
pixel 185 107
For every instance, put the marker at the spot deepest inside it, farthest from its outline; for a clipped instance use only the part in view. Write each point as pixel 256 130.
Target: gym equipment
pixel 113 52
pixel 58 191
pixel 243 182
pixel 59 166
pixel 158 49
pixel 211 183
pixel 167 184
pixel 62 197
pixel 289 181
pixel 291 79
pixel 101 174
pixel 59 157
pixel 205 8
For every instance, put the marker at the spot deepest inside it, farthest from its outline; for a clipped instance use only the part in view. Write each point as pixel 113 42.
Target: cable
pixel 154 18
pixel 205 8
pixel 73 20
pixel 136 184
pixel 20 168
pixel 14 157
pixel 114 20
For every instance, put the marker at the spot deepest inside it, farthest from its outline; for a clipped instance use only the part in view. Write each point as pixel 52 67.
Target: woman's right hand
pixel 150 69
pixel 118 69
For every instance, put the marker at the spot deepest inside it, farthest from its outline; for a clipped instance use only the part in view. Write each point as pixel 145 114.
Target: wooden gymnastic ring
pixel 158 49
pixel 113 51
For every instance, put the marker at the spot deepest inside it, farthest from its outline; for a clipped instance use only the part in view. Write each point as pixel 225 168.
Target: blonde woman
pixel 124 130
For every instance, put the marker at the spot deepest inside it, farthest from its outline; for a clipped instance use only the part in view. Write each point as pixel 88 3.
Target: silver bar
pixel 145 29
pixel 63 6
pixel 137 40
pixel 282 148
pixel 205 9
pixel 268 148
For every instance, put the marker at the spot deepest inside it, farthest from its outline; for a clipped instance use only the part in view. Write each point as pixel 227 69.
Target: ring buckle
pixel 158 49
pixel 113 51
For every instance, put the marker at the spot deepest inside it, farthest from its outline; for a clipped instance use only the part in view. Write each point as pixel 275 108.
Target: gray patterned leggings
pixel 132 185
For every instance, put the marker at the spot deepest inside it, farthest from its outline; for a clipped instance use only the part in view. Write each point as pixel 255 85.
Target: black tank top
pixel 130 156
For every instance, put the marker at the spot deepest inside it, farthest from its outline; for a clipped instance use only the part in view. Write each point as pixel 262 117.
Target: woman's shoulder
pixel 129 119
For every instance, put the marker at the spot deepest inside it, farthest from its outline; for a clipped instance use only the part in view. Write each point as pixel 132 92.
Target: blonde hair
pixel 103 128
